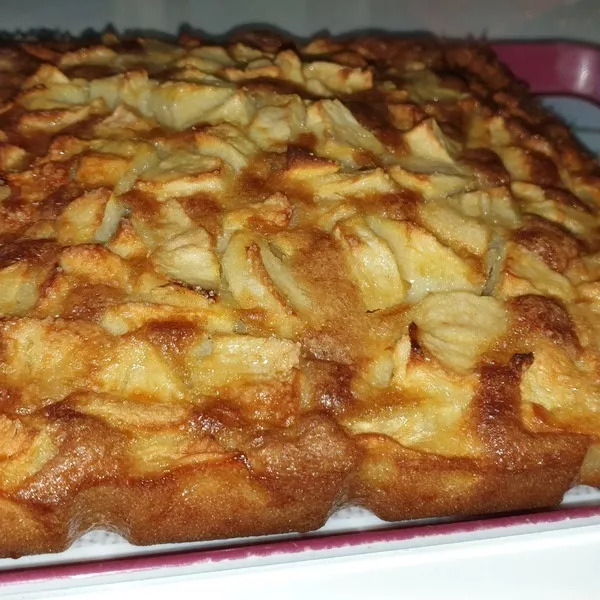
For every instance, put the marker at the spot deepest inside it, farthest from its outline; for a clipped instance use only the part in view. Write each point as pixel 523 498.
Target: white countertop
pixel 557 564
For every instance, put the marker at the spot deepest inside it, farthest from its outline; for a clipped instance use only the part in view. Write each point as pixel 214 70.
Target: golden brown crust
pixel 242 286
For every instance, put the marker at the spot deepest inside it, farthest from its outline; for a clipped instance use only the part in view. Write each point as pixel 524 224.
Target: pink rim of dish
pixel 315 543
pixel 555 68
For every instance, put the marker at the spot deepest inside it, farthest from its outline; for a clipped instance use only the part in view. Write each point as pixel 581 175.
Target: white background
pixel 568 19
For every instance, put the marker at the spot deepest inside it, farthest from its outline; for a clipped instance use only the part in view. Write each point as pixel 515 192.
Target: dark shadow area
pixel 94 35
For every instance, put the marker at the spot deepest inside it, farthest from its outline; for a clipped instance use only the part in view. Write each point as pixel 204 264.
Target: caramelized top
pixel 200 241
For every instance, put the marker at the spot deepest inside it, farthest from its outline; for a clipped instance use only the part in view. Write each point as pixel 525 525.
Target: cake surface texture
pixel 244 285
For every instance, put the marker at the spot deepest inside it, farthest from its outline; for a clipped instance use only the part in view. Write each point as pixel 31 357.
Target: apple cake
pixel 244 285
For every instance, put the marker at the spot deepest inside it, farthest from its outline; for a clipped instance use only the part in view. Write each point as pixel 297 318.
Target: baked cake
pixel 245 285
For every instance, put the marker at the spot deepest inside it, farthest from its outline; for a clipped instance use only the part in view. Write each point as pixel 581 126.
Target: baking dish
pixel 569 69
